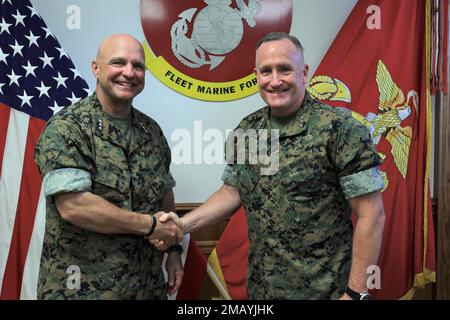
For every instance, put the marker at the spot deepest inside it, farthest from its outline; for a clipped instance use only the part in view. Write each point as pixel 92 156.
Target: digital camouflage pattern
pixel 81 138
pixel 299 221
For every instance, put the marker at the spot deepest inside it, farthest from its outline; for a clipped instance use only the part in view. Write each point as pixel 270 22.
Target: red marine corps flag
pixel 229 258
pixel 378 67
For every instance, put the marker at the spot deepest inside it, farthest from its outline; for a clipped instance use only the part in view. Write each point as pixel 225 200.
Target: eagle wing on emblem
pixel 390 95
pixel 393 112
pixel 400 140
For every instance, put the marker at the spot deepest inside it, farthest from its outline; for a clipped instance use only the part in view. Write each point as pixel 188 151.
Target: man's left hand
pixel 175 272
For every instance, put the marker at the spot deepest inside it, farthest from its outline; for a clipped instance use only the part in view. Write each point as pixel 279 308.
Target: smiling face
pixel 120 71
pixel 282 75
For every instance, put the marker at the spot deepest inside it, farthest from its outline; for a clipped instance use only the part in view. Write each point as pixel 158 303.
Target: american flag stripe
pixel 37 79
pixel 31 270
pixel 30 187
pixel 10 180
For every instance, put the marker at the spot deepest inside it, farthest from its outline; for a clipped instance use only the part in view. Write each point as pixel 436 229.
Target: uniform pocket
pixel 303 183
pixel 149 181
pixel 111 183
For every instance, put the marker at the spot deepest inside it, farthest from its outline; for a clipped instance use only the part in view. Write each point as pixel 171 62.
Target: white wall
pixel 315 23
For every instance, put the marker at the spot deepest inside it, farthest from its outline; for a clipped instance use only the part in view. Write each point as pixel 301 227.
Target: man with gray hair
pixel 301 243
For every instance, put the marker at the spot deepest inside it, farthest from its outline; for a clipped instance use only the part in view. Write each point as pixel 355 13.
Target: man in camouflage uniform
pixel 105 169
pixel 299 215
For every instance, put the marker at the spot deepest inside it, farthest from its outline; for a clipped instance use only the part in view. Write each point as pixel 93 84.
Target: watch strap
pixel 355 295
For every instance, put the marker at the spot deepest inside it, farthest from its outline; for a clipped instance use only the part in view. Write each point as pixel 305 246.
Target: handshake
pixel 167 229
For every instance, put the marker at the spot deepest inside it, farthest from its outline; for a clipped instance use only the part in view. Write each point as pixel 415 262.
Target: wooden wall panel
pixel 443 196
pixel 442 174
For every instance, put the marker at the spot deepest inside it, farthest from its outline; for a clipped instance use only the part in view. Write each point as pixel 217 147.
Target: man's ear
pixel 95 68
pixel 305 73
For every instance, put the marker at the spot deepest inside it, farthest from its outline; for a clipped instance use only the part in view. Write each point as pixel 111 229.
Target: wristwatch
pixel 355 295
pixel 176 247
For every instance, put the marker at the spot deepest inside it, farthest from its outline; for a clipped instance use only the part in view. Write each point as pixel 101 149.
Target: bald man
pixel 105 169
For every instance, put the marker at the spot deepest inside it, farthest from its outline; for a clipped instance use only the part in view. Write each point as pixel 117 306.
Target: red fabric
pixel 4 119
pixel 232 251
pixel 194 273
pixel 434 77
pixel 353 58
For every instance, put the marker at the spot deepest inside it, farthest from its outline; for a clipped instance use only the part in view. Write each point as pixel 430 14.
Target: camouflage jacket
pixel 81 138
pixel 299 221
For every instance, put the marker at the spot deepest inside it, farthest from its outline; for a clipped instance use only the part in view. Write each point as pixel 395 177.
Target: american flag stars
pixel 36 74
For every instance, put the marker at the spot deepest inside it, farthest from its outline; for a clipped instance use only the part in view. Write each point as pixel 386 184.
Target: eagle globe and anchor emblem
pixel 189 52
pixel 217 29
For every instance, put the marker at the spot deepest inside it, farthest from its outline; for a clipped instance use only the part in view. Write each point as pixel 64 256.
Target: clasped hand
pixel 169 230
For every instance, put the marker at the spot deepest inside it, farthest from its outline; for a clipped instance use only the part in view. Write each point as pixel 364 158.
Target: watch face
pixel 365 296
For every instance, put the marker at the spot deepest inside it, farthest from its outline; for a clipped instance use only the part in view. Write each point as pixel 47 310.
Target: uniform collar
pixel 141 133
pixel 300 123
pixel 107 130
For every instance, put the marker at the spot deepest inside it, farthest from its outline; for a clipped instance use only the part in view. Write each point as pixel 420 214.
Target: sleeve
pixel 238 172
pixel 166 149
pixel 230 176
pixel 66 180
pixel 169 182
pixel 356 159
pixel 64 161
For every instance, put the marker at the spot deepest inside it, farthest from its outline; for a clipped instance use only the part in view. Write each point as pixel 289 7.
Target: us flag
pixel 37 79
